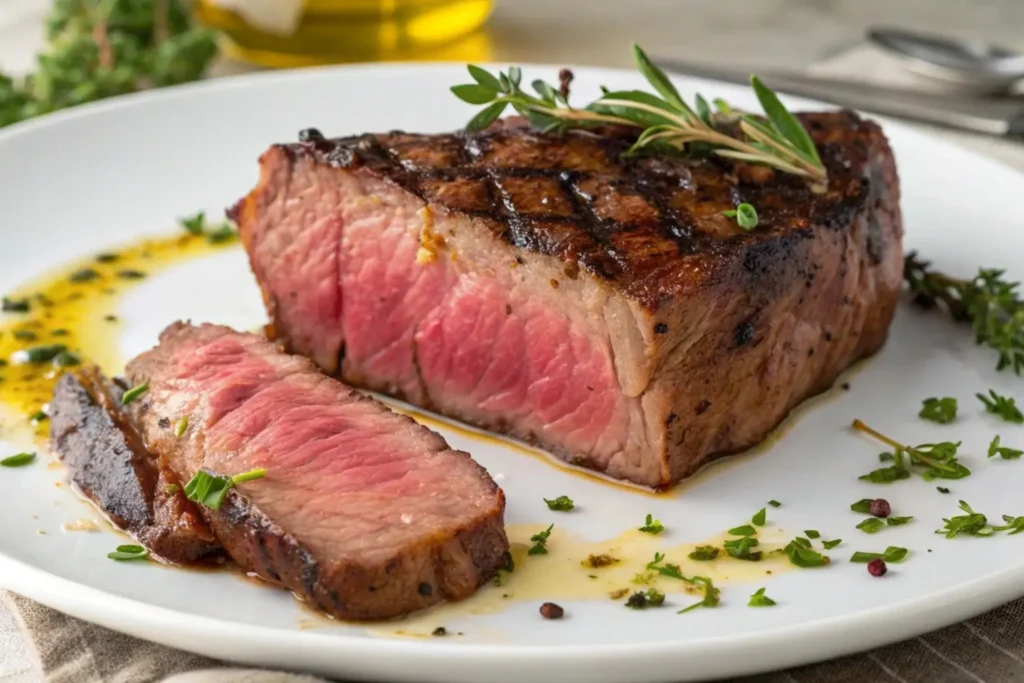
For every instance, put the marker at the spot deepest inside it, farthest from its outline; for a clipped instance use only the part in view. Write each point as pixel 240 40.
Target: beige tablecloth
pixel 37 643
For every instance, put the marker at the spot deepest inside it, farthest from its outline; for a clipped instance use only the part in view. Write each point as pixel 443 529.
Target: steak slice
pixel 363 513
pixel 551 287
pixel 109 464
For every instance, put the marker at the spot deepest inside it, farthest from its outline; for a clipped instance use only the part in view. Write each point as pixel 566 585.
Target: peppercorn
pixel 550 610
pixel 876 567
pixel 880 507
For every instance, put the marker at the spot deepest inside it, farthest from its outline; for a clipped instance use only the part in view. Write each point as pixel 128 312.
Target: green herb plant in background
pixel 102 48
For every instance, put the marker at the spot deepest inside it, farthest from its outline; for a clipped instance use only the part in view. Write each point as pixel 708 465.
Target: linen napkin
pixel 986 649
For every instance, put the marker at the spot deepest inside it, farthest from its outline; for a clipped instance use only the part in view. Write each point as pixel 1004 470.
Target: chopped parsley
pixel 1014 525
pixel 652 526
pixel 670 570
pixel 704 553
pixel 560 504
pixel 1003 452
pixel 740 548
pixel 598 561
pixel 942 489
pixel 644 599
pixel 863 506
pixel 811 533
pixel 745 530
pixel 540 542
pixel 181 427
pixel 831 544
pixel 940 410
pixel 1003 406
pixel 775 503
pixel 40 354
pixel 759 599
pixel 897 521
pixel 124 553
pixel 209 490
pixel 891 554
pixel 971 524
pixel 711 594
pixel 84 275
pixel 134 393
pixel 871 525
pixel 745 215
pixel 16 305
pixel 760 517
pixel 194 225
pixel 66 359
pixel 19 460
pixel 803 555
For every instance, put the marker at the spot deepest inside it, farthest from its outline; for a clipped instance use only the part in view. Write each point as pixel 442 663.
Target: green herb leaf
pixel 66 359
pixel 871 525
pixel 745 215
pixel 126 553
pixel 783 122
pixel 16 305
pixel 40 354
pixel 711 594
pixel 886 475
pixel 802 542
pixel 831 544
pixel 84 275
pixel 19 460
pixel 740 548
pixel 474 94
pixel 486 117
pixel 251 475
pixel 759 599
pixel 540 542
pixel 1003 452
pixel 760 517
pixel 194 225
pixel 649 598
pixel 775 503
pixel 940 410
pixel 745 530
pixel 861 557
pixel 1003 406
pixel 897 521
pixel 804 557
pixel 704 553
pixel 560 504
pixel 942 489
pixel 971 524
pixel 484 77
pixel 209 489
pixel 891 554
pixel 811 533
pixel 863 506
pixel 660 82
pixel 1014 525
pixel 181 427
pixel 932 460
pixel 652 526
pixel 134 393
pixel 225 233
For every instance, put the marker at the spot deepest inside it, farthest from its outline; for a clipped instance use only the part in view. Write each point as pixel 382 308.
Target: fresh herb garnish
pixel 1003 406
pixel 871 525
pixel 863 506
pixel 194 225
pixel 740 548
pixel 804 556
pixel 125 553
pixel 831 544
pixel 133 393
pixel 891 554
pixel 745 215
pixel 209 489
pixel 759 599
pixel 941 410
pixel 66 359
pixel 897 521
pixel 597 561
pixel 775 503
pixel 971 524
pixel 540 542
pixel 225 233
pixel 760 517
pixel 644 599
pixel 197 225
pixel 19 460
pixel 711 594
pixel 1003 452
pixel 25 335
pixel 131 274
pixel 704 553
pixel 38 416
pixel 652 526
pixel 811 533
pixel 943 489
pixel 745 530
pixel 40 354
pixel 1014 523
pixel 181 427
pixel 172 489
pixel 933 460
pixel 84 275
pixel 560 504
pixel 987 301
pixel 15 305
pixel 667 124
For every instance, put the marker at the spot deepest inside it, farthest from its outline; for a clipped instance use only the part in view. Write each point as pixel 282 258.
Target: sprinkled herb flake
pixel 971 524
pixel 775 503
pixel 134 393
pixel 711 594
pixel 741 548
pixel 745 215
pixel 891 554
pixel 803 555
pixel 644 599
pixel 125 553
pixel 39 354
pixel 704 553
pixel 540 542
pixel 897 521
pixel 940 410
pixel 863 506
pixel 759 599
pixel 1003 406
pixel 745 530
pixel 1014 525
pixel 181 427
pixel 1003 452
pixel 16 305
pixel 560 504
pixel 209 490
pixel 871 525
pixel 831 544
pixel 760 517
pixel 195 224
pixel 942 489
pixel 811 533
pixel 652 526
pixel 84 275
pixel 19 460
pixel 932 460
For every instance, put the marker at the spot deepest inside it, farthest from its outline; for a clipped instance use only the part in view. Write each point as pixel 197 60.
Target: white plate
pixel 98 176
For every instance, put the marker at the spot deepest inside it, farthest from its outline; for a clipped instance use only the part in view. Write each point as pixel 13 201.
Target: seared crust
pixel 109 464
pixel 651 228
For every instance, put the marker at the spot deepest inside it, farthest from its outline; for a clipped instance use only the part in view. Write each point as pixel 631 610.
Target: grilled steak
pixel 363 513
pixel 109 464
pixel 551 287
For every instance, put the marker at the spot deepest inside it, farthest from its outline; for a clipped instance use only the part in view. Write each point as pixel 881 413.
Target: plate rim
pixel 772 649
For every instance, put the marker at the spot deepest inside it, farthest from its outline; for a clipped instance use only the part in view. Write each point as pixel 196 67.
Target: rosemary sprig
pixel 988 301
pixel 934 460
pixel 666 122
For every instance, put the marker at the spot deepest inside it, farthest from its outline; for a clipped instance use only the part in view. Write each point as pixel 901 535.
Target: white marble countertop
pixel 783 33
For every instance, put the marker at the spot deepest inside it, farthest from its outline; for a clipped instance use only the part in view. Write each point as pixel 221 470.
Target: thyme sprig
pixel 933 460
pixel 988 301
pixel 666 122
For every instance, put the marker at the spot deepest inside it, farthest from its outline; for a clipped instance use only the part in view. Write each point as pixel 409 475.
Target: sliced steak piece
pixel 551 287
pixel 109 464
pixel 363 512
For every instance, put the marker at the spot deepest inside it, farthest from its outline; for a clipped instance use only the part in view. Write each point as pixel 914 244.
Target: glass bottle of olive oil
pixel 289 33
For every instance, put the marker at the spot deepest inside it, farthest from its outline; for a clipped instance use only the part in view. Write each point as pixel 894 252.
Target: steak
pixel 108 463
pixel 554 288
pixel 363 513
